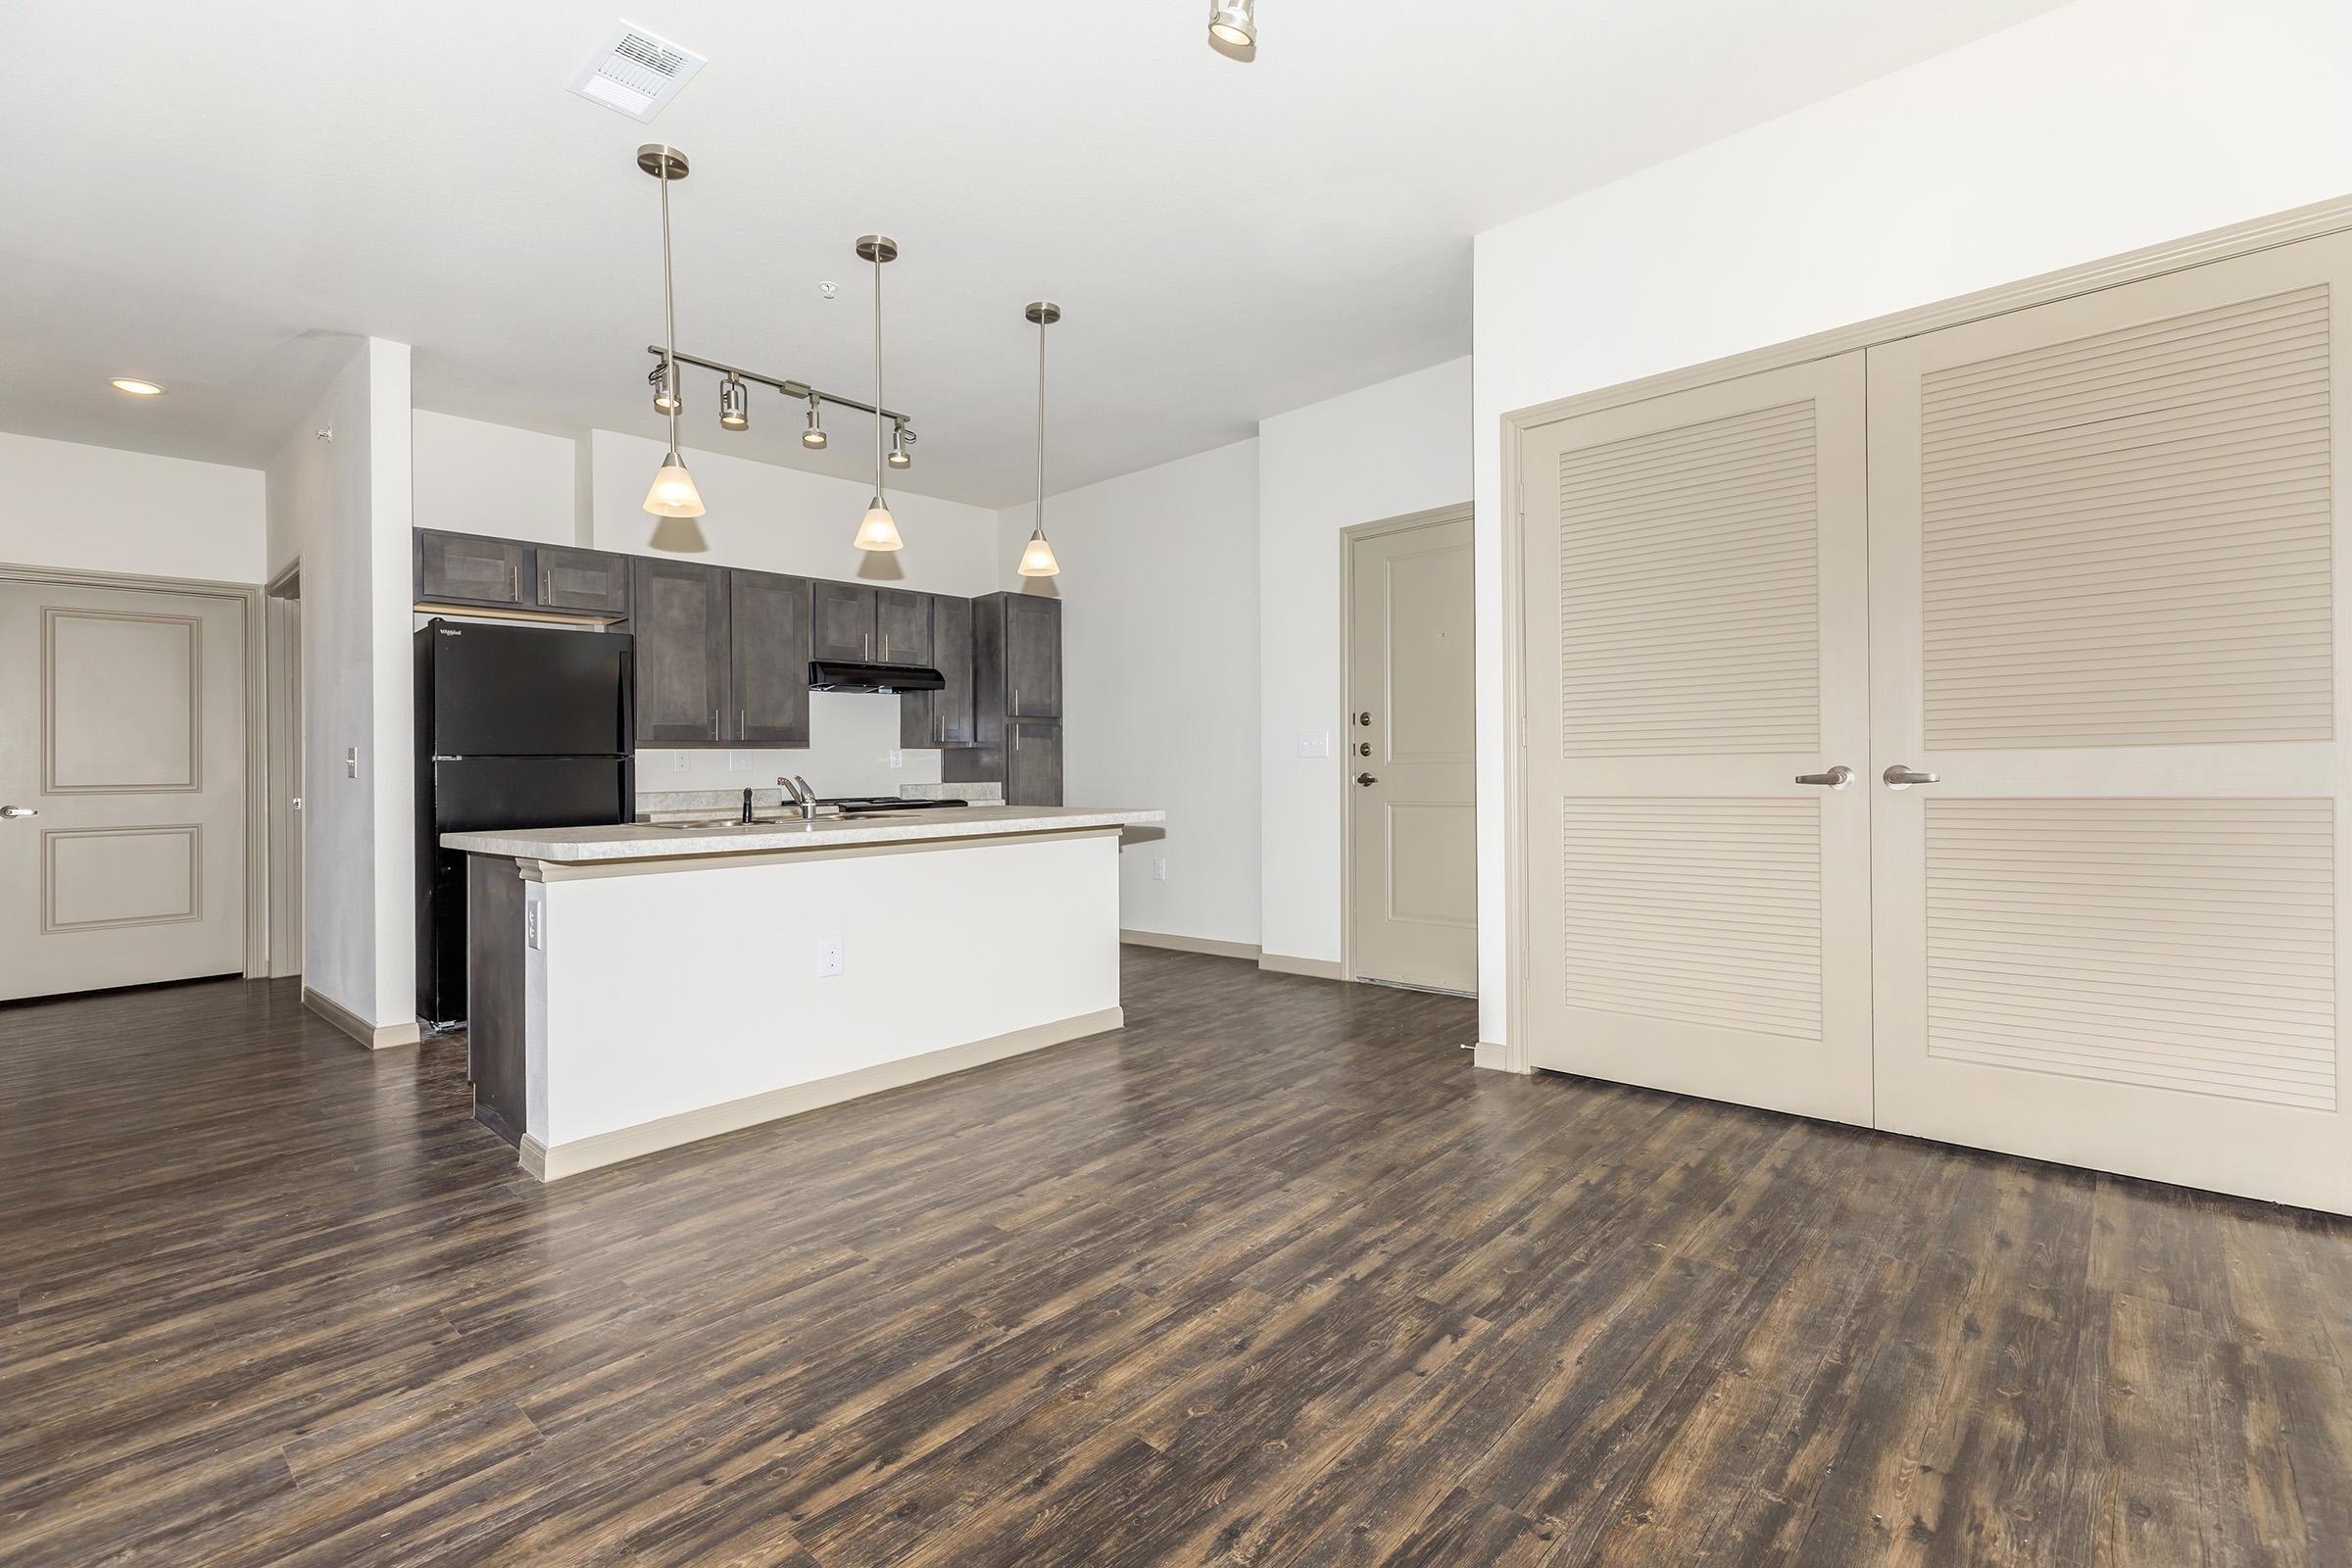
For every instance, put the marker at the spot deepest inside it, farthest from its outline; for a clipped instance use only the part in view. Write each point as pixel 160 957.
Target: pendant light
pixel 673 494
pixel 878 530
pixel 1037 558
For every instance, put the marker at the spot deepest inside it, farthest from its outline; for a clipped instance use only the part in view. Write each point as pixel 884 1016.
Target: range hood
pixel 852 675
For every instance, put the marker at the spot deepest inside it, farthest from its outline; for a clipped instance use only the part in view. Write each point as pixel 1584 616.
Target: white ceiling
pixel 210 195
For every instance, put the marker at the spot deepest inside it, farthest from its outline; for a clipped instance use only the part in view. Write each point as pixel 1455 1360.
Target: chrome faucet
pixel 804 799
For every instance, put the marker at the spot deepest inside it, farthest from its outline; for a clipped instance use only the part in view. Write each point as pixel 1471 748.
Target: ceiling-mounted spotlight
pixel 1037 557
pixel 814 438
pixel 1233 25
pixel 900 458
pixel 672 493
pixel 734 405
pixel 877 529
pixel 136 388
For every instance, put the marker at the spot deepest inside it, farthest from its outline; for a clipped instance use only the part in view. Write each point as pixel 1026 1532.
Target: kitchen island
pixel 638 987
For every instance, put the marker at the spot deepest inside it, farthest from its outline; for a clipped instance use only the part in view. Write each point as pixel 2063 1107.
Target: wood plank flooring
pixel 1274 1277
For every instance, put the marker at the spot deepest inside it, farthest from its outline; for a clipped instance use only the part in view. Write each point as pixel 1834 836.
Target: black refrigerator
pixel 517 727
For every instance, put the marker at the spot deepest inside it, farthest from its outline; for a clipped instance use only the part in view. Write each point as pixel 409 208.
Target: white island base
pixel 653 998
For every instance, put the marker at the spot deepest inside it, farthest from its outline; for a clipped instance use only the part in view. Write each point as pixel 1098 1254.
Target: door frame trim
pixel 2069 282
pixel 1457 512
pixel 256 719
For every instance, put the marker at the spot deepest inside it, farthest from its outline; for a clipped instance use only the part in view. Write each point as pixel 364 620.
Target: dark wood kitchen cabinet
pixel 1031 644
pixel 943 717
pixel 844 626
pixel 1033 763
pixel 1016 686
pixel 684 648
pixel 901 627
pixel 591 581
pixel 769 620
pixel 463 568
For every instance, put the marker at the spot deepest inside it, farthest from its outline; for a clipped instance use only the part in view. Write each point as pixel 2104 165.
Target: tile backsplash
pixel 851 737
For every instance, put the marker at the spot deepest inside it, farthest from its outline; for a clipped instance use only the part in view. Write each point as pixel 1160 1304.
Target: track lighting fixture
pixel 672 493
pixel 877 529
pixel 814 438
pixel 1037 557
pixel 900 457
pixel 734 405
pixel 663 379
pixel 1233 27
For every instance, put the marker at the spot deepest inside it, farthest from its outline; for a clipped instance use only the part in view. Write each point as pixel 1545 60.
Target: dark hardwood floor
pixel 1273 1277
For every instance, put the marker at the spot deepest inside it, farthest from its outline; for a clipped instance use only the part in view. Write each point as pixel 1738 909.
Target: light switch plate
pixel 1314 743
pixel 741 761
pixel 828 956
pixel 1159 868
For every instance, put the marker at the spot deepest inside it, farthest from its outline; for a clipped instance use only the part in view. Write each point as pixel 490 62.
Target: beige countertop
pixel 640 841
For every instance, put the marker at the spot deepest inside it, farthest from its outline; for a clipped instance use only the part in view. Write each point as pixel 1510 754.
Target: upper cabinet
pixel 470 569
pixel 901 627
pixel 594 581
pixel 1032 657
pixel 943 717
pixel 844 622
pixel 684 650
pixel 454 568
pixel 771 643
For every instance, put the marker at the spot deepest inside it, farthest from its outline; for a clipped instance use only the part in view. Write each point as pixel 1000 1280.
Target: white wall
pixel 1160 612
pixel 471 476
pixel 1385 450
pixel 342 505
pixel 94 509
pixel 2097 128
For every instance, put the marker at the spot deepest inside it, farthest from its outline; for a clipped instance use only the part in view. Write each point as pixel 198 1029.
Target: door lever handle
pixel 18 811
pixel 1900 777
pixel 1837 778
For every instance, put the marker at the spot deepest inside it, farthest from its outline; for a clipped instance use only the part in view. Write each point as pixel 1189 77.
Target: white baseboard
pixel 374 1036
pixel 1495 1057
pixel 552 1164
pixel 1312 968
pixel 1176 944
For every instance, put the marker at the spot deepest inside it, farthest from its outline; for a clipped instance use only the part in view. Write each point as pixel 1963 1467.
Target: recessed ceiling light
pixel 143 389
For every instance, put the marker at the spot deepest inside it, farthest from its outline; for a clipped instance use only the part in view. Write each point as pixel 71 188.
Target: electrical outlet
pixel 1314 743
pixel 530 925
pixel 350 762
pixel 828 956
pixel 1159 868
pixel 678 762
pixel 896 760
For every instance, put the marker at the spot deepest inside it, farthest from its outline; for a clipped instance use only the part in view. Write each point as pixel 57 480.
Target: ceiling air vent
pixel 635 72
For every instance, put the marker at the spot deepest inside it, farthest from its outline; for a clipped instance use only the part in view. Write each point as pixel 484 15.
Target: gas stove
pixel 861 804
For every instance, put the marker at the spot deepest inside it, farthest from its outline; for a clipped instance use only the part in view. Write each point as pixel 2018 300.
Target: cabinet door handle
pixel 743 725
pixel 886 648
pixel 514 584
pixel 547 583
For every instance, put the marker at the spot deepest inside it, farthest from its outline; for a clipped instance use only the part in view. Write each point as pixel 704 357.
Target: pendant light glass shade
pixel 673 494
pixel 879 530
pixel 1037 558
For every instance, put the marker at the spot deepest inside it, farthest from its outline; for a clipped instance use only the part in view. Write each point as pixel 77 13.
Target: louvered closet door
pixel 2107 557
pixel 1694 619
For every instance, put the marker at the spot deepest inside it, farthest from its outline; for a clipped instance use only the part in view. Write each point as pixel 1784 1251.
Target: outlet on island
pixel 828 956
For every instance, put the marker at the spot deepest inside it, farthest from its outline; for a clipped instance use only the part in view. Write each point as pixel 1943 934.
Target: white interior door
pixel 1694 605
pixel 123 765
pixel 2108 557
pixel 1412 757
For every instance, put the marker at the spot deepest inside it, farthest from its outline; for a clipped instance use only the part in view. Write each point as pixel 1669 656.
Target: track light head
pixel 734 405
pixel 900 457
pixel 1233 28
pixel 663 379
pixel 814 438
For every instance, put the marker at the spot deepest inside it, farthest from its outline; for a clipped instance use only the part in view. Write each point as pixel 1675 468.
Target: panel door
pixel 770 616
pixel 844 621
pixel 464 569
pixel 1032 657
pixel 680 621
pixel 902 627
pixel 1412 758
pixel 2108 598
pixel 592 580
pixel 1694 616
pixel 1032 763
pixel 122 752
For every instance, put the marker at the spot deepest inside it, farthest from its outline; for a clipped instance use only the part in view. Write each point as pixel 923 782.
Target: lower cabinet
pixel 1033 763
pixel 684 647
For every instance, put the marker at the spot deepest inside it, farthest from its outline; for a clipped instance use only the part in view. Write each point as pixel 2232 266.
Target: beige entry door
pixel 123 772
pixel 1412 757
pixel 1697 880
pixel 2108 552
